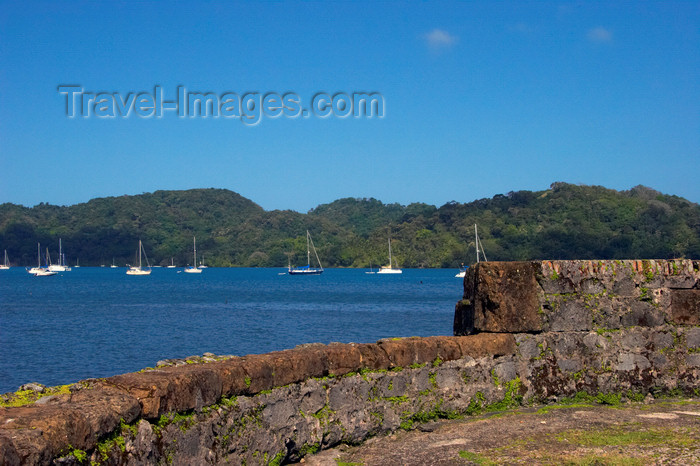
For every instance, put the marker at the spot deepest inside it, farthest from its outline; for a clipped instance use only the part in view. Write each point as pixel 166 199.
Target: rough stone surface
pixel 564 296
pixel 504 297
pixel 685 307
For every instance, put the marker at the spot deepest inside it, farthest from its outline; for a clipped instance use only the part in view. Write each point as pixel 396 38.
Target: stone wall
pixel 538 331
pixel 560 296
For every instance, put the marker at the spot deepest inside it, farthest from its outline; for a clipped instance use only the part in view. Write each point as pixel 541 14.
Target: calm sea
pixel 97 322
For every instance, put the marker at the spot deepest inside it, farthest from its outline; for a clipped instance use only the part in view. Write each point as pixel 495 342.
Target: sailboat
pixel 6 263
pixel 138 270
pixel 389 269
pixel 172 264
pixel 307 269
pixel 371 271
pixel 40 271
pixel 61 266
pixel 479 247
pixel 193 268
pixel 113 266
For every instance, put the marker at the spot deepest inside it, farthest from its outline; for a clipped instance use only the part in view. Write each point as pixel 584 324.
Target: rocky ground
pixel 659 432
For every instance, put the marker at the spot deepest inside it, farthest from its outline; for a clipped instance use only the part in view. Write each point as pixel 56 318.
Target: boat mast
pixel 140 247
pixel 315 253
pixel 390 264
pixel 194 240
pixel 38 254
pixel 308 248
pixel 476 243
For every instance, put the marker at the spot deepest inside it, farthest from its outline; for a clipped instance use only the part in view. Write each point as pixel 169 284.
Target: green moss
pixel 512 398
pixel 277 460
pixel 554 276
pixel 229 401
pixel 494 377
pixel 476 458
pixel 25 397
pixel 437 361
pixel 433 379
pixel 340 462
pixel 644 294
pixel 309 449
pixel 394 400
pixel 377 416
pixel 79 455
pixel 416 366
pixel 476 404
pixel 247 381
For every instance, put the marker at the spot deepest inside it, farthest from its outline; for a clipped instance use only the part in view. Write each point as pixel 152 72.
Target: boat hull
pixel 305 271
pixel 387 271
pixel 137 271
pixel 193 270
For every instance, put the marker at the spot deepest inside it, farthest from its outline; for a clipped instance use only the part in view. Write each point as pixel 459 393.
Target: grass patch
pixel 622 436
pixel 476 458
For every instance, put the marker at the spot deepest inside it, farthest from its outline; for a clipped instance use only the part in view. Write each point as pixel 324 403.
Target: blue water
pixel 97 322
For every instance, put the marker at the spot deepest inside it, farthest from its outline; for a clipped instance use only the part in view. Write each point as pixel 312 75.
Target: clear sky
pixel 480 98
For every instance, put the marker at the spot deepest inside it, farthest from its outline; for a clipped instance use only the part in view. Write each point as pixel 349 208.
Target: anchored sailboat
pixel 6 263
pixel 40 271
pixel 193 268
pixel 389 269
pixel 133 270
pixel 61 266
pixel 479 247
pixel 307 269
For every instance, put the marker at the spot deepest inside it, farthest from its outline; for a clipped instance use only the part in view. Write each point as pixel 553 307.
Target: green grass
pixel 476 458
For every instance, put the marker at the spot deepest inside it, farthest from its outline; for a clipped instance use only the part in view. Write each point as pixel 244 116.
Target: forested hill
pixel 564 222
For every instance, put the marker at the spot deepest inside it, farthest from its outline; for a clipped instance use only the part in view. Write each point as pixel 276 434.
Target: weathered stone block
pixel 642 314
pixel 570 315
pixel 406 351
pixel 8 452
pixel 342 358
pixel 373 356
pixel 104 408
pixel 480 345
pixel 692 337
pixel 506 296
pixel 685 307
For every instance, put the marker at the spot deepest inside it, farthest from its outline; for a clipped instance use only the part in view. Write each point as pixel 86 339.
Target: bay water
pixel 97 322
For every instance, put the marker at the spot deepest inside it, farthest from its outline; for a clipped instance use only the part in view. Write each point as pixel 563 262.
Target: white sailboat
pixel 61 266
pixel 307 269
pixel 6 263
pixel 138 270
pixel 193 268
pixel 40 271
pixel 389 269
pixel 172 264
pixel 371 271
pixel 113 266
pixel 479 247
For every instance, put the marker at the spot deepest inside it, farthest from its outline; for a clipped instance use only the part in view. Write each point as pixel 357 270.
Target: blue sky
pixel 481 98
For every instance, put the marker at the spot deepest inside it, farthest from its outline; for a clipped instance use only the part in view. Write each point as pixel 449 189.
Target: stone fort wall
pixel 525 333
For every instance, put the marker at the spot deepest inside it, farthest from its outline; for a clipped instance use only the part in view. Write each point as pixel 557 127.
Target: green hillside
pixel 564 222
